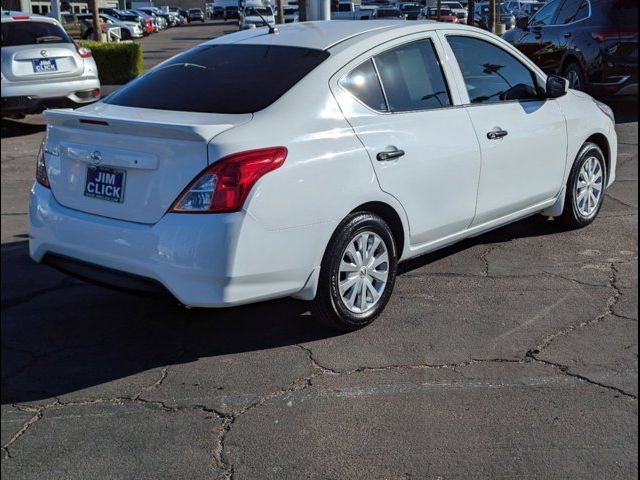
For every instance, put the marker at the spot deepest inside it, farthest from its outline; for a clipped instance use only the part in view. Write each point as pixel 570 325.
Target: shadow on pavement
pixel 626 110
pixel 18 128
pixel 60 335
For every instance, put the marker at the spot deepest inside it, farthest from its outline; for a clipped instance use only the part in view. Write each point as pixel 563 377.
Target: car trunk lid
pixel 127 163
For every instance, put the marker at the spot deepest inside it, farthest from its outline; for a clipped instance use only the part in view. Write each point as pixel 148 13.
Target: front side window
pixel 491 74
pixel 363 83
pixel 546 14
pixel 226 78
pixel 412 78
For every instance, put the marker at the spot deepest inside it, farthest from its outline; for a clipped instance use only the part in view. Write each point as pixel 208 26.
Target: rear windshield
pixel 31 33
pixel 220 79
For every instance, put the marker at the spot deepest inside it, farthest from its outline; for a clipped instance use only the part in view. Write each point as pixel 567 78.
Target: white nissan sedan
pixel 309 161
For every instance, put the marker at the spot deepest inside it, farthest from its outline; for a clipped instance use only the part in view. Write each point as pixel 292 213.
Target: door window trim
pixel 431 38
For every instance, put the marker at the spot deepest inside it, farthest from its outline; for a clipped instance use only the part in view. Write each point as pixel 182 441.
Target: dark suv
pixel 592 43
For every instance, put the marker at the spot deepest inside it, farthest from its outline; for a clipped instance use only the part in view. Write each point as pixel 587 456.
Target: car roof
pixel 8 16
pixel 327 35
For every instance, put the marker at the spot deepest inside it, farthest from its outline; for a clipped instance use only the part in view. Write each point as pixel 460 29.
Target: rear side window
pixel 412 78
pixel 220 79
pixel 363 84
pixel 572 11
pixel 491 74
pixel 32 33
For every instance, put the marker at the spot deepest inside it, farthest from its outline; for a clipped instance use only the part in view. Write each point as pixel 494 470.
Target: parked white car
pixel 345 10
pixel 254 16
pixel 42 67
pixel 128 29
pixel 308 178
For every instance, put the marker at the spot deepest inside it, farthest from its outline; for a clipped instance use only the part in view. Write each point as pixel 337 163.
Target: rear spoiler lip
pixel 198 132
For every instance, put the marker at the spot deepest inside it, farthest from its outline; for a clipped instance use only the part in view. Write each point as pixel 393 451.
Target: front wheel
pixel 585 187
pixel 574 73
pixel 357 274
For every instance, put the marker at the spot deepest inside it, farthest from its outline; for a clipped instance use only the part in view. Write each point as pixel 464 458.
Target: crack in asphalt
pixel 611 303
pixel 628 205
pixel 566 370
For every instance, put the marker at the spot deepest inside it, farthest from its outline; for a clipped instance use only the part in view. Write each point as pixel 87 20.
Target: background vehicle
pixel 593 43
pixel 42 67
pixel 231 12
pixel 388 13
pixel 254 16
pixel 291 14
pixel 71 24
pixel 349 11
pixel 217 11
pixel 458 10
pixel 190 190
pixel 411 11
pixel 445 14
pixel 504 16
pixel 195 14
pixel 129 29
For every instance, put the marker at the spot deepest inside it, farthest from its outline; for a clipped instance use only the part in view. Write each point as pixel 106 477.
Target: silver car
pixel 42 67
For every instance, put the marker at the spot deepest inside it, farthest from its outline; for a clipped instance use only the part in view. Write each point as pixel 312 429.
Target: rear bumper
pixel 202 260
pixel 35 97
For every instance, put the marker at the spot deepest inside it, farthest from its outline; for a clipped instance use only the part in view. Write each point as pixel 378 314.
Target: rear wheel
pixel 357 274
pixel 585 187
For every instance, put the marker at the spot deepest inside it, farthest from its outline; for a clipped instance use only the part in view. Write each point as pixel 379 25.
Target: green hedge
pixel 118 62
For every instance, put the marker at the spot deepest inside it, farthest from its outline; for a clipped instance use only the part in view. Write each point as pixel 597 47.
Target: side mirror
pixel 522 23
pixel 557 86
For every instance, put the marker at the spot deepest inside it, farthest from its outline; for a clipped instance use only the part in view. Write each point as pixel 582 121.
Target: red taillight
pixel 225 185
pixel 82 51
pixel 41 168
pixel 20 17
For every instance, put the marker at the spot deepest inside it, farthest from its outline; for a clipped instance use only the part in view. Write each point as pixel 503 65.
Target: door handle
pixel 391 155
pixel 567 34
pixel 497 134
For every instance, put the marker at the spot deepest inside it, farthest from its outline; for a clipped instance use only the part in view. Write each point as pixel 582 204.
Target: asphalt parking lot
pixel 514 354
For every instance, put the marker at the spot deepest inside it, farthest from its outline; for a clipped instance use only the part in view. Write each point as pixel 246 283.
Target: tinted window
pixel 221 79
pixel 491 74
pixel 572 11
pixel 31 33
pixel 363 84
pixel 546 14
pixel 412 78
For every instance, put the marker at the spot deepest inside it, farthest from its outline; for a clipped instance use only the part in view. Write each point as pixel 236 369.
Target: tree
pixel 97 28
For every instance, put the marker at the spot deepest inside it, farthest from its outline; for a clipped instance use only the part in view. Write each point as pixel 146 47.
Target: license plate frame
pixel 44 65
pixel 105 183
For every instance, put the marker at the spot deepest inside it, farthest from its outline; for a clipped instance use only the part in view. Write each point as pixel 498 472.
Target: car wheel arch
pixel 391 216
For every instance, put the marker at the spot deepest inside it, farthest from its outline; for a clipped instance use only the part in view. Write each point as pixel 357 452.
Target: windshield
pixel 443 11
pixel 453 5
pixel 229 78
pixel 32 33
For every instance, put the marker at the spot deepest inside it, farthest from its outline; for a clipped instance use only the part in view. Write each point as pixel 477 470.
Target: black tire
pixel 575 74
pixel 328 307
pixel 571 215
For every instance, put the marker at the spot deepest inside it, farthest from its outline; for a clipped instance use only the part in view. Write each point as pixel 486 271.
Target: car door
pixel 538 38
pixel 559 34
pixel 421 143
pixel 522 134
